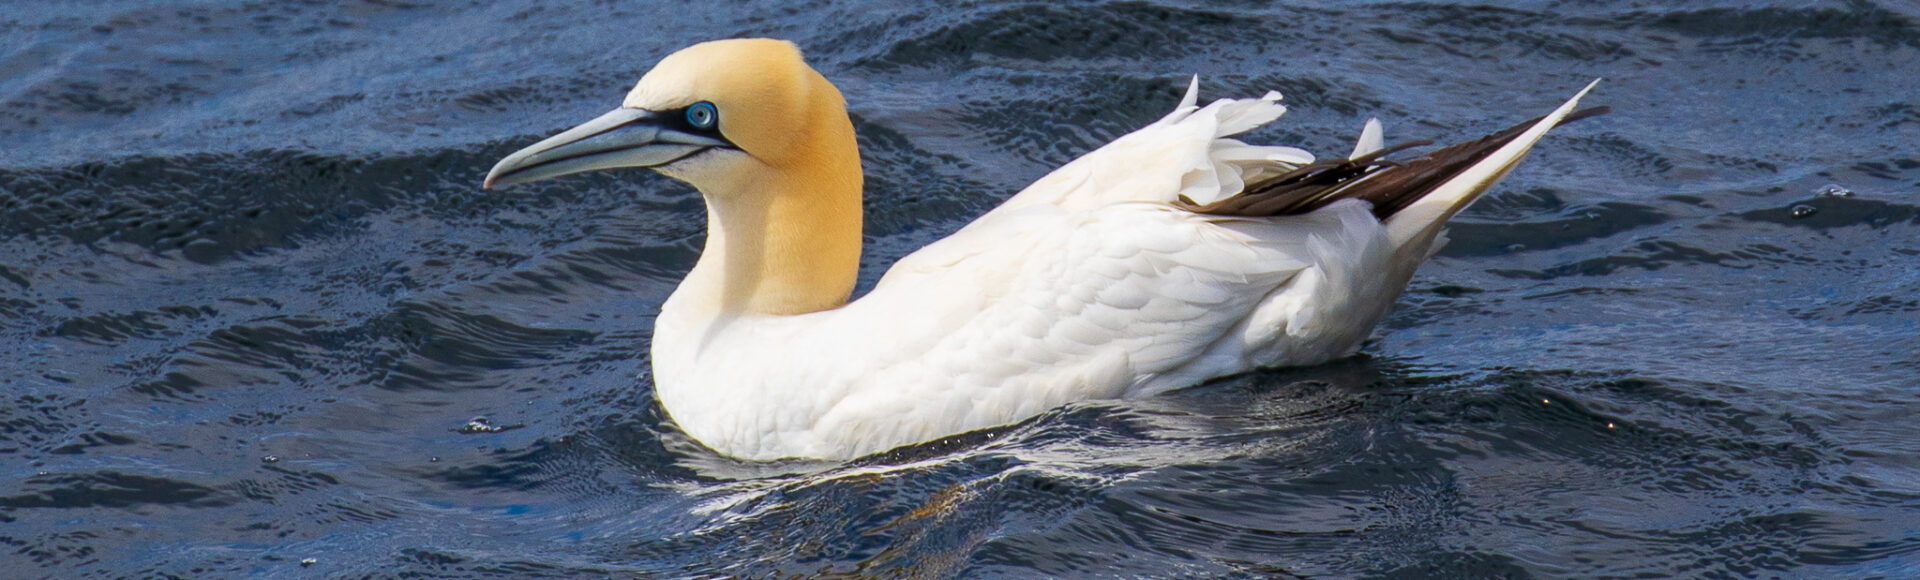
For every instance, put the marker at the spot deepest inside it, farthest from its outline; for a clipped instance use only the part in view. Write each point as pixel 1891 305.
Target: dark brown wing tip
pixel 1389 185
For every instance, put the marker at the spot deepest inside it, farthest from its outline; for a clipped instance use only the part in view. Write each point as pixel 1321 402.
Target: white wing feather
pixel 1371 139
pixel 1185 153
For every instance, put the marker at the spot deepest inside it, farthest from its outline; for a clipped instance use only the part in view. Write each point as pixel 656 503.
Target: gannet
pixel 1173 255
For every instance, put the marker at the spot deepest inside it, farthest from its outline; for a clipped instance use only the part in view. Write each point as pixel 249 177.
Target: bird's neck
pixel 789 245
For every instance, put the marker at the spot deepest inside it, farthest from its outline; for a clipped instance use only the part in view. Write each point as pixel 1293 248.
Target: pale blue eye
pixel 702 115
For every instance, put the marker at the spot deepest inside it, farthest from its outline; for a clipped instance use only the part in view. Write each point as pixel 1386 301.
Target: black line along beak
pixel 621 138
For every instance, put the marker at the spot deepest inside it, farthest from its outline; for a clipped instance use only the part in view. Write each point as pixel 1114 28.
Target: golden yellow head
pixel 770 103
pixel 697 112
pixel 766 139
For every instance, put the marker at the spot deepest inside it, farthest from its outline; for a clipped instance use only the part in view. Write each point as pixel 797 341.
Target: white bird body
pixel 1098 281
pixel 1126 300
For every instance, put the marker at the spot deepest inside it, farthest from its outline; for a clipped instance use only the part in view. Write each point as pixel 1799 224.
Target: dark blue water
pixel 257 319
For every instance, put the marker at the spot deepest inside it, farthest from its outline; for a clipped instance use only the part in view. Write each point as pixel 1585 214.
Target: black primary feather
pixel 1389 185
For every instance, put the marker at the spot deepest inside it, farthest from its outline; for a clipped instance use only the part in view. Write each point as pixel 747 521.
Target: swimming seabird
pixel 1170 256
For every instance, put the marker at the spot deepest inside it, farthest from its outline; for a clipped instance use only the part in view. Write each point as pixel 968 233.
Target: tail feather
pixel 1417 221
pixel 1413 198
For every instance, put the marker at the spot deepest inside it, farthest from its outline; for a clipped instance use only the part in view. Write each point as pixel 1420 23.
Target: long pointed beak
pixel 621 138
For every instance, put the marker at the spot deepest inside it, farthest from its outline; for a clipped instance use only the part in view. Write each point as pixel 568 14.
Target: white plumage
pixel 1090 283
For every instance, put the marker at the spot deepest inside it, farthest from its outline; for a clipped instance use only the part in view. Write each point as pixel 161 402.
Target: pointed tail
pixel 1413 199
pixel 1454 176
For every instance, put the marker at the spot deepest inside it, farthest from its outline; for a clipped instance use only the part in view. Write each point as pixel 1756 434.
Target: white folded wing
pixel 1087 284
